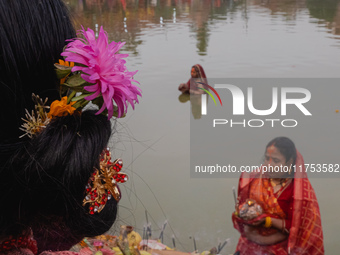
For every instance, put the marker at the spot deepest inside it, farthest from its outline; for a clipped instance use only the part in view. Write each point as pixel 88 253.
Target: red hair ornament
pixel 103 184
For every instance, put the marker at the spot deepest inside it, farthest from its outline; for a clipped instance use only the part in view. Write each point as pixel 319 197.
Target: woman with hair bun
pixel 58 181
pixel 277 211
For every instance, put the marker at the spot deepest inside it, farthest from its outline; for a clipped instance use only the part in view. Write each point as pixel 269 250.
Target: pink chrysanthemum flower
pixel 103 67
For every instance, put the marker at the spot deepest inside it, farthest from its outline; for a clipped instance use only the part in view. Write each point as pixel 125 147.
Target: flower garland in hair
pixel 93 71
pixel 99 74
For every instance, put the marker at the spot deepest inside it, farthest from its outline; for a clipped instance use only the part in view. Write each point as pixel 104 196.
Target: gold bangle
pixel 268 222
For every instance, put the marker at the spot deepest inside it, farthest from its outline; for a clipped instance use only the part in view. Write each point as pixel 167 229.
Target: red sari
pixel 305 233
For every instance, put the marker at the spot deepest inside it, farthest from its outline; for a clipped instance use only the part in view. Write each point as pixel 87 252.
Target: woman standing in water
pixel 290 221
pixel 195 82
pixel 58 183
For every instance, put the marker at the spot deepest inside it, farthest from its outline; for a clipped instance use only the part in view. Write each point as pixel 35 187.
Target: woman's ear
pixel 289 163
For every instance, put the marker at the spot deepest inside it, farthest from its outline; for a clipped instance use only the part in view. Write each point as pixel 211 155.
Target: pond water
pixel 240 39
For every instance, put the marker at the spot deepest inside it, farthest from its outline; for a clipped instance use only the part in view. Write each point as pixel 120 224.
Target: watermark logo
pixel 295 96
pixel 204 97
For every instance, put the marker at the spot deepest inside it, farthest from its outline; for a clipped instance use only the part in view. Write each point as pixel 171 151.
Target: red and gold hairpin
pixel 103 184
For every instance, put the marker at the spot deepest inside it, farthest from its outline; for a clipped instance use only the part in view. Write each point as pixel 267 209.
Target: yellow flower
pixel 65 63
pixel 61 108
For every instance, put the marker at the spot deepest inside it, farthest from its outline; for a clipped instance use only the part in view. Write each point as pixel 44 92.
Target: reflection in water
pixel 286 8
pixel 196 106
pixel 126 19
pixel 200 17
pixel 326 11
pixel 195 101
pixel 323 10
pixel 335 25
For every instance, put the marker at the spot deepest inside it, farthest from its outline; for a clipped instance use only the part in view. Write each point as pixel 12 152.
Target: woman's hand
pixel 253 235
pixel 257 222
pixel 183 87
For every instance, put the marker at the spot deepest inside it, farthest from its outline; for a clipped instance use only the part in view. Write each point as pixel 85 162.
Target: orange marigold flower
pixel 65 63
pixel 61 108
